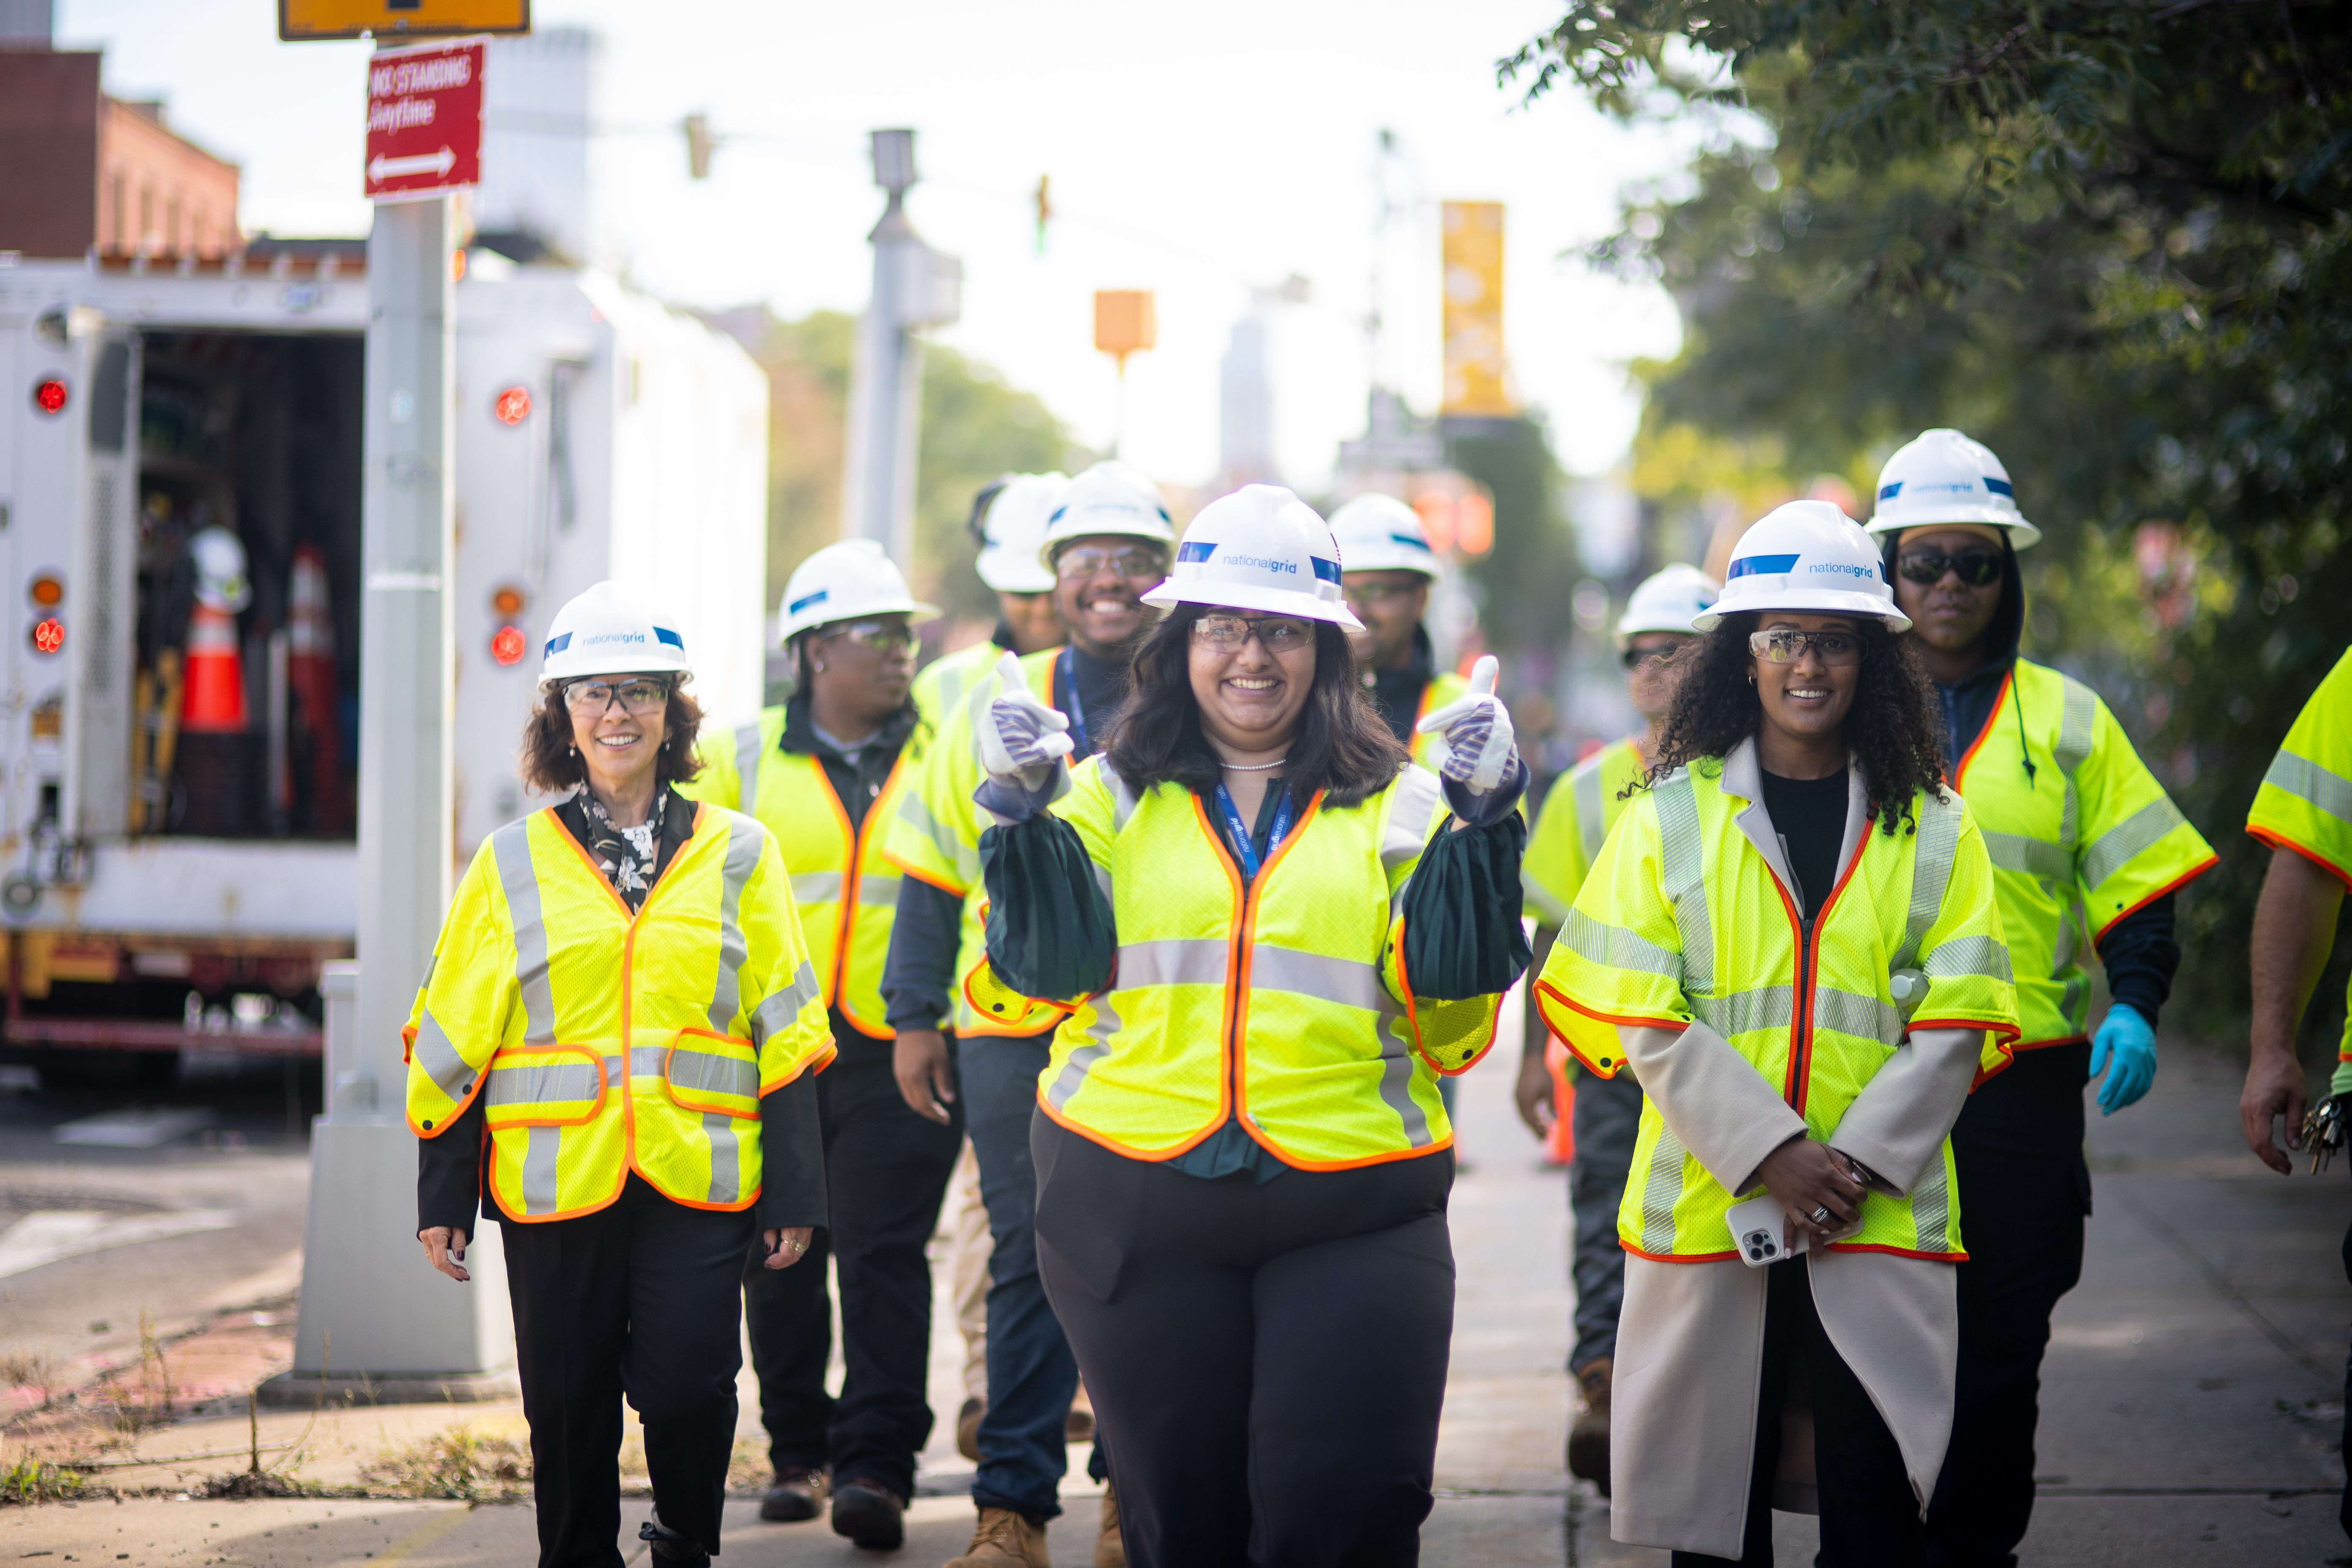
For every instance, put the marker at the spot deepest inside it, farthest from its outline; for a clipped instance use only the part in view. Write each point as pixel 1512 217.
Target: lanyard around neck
pixel 1079 749
pixel 1244 850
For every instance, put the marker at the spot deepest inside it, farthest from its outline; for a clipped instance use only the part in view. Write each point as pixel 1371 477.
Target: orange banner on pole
pixel 1478 373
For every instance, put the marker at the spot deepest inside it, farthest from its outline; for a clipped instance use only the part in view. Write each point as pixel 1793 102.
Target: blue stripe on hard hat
pixel 663 634
pixel 1409 541
pixel 1761 566
pixel 1055 515
pixel 1193 550
pixel 1888 492
pixel 2000 487
pixel 1325 571
pixel 556 645
pixel 797 606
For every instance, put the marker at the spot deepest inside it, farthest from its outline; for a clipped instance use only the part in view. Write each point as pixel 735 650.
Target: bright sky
pixel 1196 151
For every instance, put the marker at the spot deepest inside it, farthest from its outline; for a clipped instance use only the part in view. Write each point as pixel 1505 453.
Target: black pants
pixel 1869 1516
pixel 636 1299
pixel 2025 1191
pixel 887 1169
pixel 1268 1361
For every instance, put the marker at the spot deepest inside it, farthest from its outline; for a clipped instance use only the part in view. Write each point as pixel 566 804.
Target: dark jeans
pixel 1605 1120
pixel 2025 1191
pixel 2344 1509
pixel 1031 1374
pixel 888 1171
pixel 1268 1362
pixel 636 1299
pixel 1869 1516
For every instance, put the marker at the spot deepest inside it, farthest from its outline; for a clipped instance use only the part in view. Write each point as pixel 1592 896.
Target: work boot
pixel 968 1428
pixel 797 1495
pixel 1110 1547
pixel 870 1515
pixel 672 1550
pixel 1003 1540
pixel 1587 1440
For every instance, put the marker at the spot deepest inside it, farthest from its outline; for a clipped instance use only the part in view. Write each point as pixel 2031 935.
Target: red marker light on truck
pixel 513 406
pixel 507 645
pixel 49 394
pixel 48 636
pixel 47 592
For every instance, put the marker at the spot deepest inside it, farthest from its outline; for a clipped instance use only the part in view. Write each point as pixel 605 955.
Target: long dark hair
pixel 548 762
pixel 1343 745
pixel 1894 728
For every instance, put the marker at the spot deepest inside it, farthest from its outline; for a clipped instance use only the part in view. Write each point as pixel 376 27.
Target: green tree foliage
pixel 1531 572
pixel 2108 238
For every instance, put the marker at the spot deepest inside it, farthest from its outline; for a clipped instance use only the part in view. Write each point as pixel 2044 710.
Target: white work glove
pixel 1481 752
pixel 1020 742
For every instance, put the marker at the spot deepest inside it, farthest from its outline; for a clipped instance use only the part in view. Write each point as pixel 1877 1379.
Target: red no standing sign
pixel 425 119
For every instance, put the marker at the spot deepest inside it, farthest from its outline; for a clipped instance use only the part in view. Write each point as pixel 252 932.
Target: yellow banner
pixel 1477 373
pixel 298 20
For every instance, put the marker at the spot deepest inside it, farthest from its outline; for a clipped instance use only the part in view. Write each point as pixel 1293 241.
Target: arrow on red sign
pixel 382 168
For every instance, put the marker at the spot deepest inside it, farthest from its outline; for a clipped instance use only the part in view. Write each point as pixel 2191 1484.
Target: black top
pixel 1397 692
pixel 856 777
pixel 1810 817
pixel 1102 690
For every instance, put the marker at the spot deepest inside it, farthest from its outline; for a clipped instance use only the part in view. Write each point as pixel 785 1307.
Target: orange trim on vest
pixel 2280 841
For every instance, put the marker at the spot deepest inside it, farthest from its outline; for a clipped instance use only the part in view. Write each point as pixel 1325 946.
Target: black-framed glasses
pixel 1126 561
pixel 1977 568
pixel 1786 645
pixel 882 637
pixel 1230 634
pixel 639 696
pixel 1636 658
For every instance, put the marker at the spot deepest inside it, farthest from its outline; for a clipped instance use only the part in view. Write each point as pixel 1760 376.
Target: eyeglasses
pixel 1635 658
pixel 1977 568
pixel 1130 561
pixel 882 637
pixel 1230 634
pixel 1785 644
pixel 1377 593
pixel 593 698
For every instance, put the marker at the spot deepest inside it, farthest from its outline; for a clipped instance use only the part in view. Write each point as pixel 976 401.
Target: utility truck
pixel 178 758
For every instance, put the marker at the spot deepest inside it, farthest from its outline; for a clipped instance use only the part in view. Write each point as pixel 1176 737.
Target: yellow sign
pixel 301 20
pixel 1477 373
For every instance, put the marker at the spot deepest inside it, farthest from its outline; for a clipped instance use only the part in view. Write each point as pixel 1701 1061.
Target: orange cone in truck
pixel 214 700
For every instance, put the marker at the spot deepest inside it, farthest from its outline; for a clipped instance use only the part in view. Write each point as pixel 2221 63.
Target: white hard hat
pixel 1941 476
pixel 221 583
pixel 1381 533
pixel 844 582
pixel 1668 601
pixel 610 630
pixel 1260 548
pixel 1806 555
pixel 1014 530
pixel 1109 498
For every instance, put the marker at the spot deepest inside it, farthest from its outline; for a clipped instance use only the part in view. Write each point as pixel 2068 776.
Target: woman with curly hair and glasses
pixel 1790 940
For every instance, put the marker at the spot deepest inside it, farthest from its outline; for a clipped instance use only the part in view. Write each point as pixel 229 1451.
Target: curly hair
pixel 1895 728
pixel 549 764
pixel 1343 745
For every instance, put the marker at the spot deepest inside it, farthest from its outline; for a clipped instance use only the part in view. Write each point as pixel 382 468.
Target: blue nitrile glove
pixel 2124 1048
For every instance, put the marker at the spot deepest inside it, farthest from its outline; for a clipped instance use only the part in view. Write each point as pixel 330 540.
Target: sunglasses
pixel 637 697
pixel 1230 634
pixel 1635 658
pixel 882 637
pixel 1977 568
pixel 1133 560
pixel 1785 646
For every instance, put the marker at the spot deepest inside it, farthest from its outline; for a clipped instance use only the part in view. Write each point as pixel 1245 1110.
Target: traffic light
pixel 1045 209
pixel 699 145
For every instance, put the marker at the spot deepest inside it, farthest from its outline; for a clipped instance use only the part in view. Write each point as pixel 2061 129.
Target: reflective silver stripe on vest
pixel 2111 851
pixel 1743 1011
pixel 1866 1018
pixel 1413 803
pixel 726 1158
pixel 2077 728
pixel 878 890
pixel 542 1146
pixel 2066 944
pixel 1662 1186
pixel 437 1054
pixel 816 886
pixel 747 766
pixel 2030 858
pixel 1123 800
pixel 1342 981
pixel 1931 1206
pixel 745 837
pixel 1615 947
pixel 646 1061
pixel 709 1072
pixel 2308 782
pixel 511 847
pixel 781 1009
pixel 1590 794
pixel 1171 961
pixel 964 857
pixel 1082 1062
pixel 543 1083
pixel 1686 878
pixel 1551 910
pixel 1397 1057
pixel 1936 845
pixel 1982 955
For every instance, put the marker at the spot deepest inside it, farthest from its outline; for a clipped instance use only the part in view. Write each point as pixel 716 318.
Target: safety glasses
pixel 882 637
pixel 1128 560
pixel 1635 658
pixel 1230 634
pixel 639 696
pixel 1784 644
pixel 1377 593
pixel 1977 568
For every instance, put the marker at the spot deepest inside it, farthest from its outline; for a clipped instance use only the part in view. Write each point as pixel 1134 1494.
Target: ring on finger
pixel 1821 1214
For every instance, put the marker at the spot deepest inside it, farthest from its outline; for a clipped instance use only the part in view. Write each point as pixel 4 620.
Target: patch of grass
pixel 463 1463
pixel 37 1480
pixel 257 1484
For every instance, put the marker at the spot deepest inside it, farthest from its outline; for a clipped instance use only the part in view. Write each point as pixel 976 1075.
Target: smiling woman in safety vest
pixel 1791 939
pixel 617 1041
pixel 1268 945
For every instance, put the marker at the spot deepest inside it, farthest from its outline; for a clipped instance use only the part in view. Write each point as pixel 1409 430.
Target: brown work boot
pixel 1587 1440
pixel 1110 1547
pixel 968 1428
pixel 797 1495
pixel 1004 1538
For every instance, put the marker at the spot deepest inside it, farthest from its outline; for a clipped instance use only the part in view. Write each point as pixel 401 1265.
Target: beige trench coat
pixel 1690 1341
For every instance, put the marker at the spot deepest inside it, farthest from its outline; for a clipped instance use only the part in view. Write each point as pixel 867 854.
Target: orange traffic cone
pixel 311 669
pixel 1559 1147
pixel 214 700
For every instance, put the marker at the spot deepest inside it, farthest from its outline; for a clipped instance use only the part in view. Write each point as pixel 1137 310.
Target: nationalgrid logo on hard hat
pixel 1844 569
pixel 1265 563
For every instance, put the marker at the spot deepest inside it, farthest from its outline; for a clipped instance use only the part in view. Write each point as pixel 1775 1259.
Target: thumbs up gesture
pixel 1481 751
pixel 1017 738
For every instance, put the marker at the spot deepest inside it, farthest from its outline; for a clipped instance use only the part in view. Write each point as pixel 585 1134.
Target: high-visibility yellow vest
pixel 935 833
pixel 1575 821
pixel 2083 840
pixel 1283 1000
pixel 1682 919
pixel 2305 800
pixel 847 893
pixel 939 690
pixel 602 1043
pixel 1443 686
